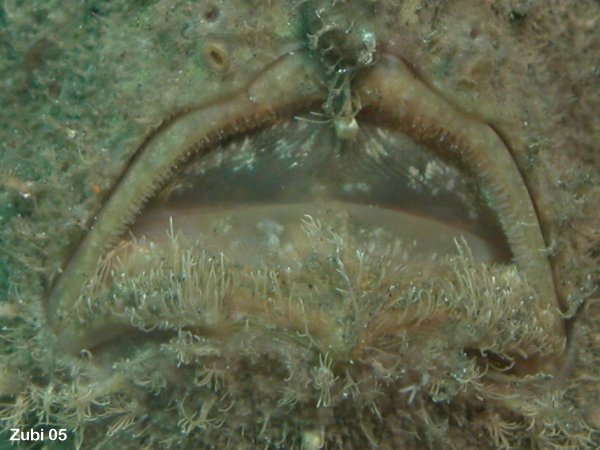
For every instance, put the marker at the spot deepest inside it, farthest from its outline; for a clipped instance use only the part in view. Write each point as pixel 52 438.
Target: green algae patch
pixel 83 86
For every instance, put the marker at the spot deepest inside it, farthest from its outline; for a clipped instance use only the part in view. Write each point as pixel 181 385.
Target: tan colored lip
pixel 390 90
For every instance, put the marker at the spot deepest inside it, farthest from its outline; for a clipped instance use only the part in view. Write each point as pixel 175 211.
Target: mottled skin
pixel 84 85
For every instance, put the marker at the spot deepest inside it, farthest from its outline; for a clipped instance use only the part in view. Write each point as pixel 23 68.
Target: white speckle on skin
pixel 349 188
pixel 272 231
pixel 376 150
pixel 432 169
pixel 346 128
pixel 312 439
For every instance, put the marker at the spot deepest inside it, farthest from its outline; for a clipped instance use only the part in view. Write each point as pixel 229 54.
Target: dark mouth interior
pixel 259 181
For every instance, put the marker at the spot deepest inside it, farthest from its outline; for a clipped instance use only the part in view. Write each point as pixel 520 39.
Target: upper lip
pixel 390 89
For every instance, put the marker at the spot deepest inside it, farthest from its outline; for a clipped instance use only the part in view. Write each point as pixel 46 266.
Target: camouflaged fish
pixel 302 224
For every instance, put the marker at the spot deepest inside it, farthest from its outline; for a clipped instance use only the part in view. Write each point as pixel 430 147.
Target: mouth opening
pixel 401 189
pixel 247 198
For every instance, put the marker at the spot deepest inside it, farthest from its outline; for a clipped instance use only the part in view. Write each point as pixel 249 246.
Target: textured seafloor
pixel 83 83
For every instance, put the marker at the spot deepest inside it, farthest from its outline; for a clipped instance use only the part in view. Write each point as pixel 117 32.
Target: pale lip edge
pixel 389 86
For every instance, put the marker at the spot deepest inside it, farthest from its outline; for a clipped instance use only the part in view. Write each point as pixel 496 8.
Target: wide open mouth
pixel 405 186
pixel 248 197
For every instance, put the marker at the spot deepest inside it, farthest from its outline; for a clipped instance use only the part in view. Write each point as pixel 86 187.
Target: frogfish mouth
pixel 336 219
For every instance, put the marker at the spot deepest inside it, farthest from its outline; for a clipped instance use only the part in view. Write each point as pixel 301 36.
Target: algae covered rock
pixel 299 224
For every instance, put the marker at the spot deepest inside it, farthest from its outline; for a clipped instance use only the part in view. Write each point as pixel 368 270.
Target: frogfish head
pixel 300 224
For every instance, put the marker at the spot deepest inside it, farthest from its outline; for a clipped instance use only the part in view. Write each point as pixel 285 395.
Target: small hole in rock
pixel 212 13
pixel 217 58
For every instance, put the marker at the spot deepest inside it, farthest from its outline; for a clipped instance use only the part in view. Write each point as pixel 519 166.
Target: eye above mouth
pixel 407 167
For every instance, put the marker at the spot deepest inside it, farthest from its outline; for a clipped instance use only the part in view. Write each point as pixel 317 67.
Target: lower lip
pixel 248 235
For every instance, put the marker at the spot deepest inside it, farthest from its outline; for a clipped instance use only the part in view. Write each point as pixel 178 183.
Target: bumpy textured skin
pixel 84 84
